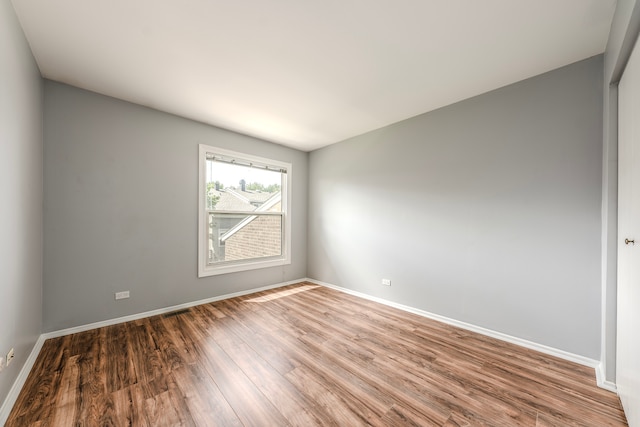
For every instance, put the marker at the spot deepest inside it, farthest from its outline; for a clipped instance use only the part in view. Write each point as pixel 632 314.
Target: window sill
pixel 207 271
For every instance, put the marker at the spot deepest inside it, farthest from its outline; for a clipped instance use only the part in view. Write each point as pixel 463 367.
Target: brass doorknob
pixel 627 241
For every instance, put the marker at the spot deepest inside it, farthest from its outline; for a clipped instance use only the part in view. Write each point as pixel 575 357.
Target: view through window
pixel 244 209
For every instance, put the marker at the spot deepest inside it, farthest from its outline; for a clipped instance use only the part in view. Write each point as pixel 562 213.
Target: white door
pixel 628 336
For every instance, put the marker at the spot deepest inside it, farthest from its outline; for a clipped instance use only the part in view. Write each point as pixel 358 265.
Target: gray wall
pixel 121 209
pixel 486 211
pixel 20 196
pixel 624 32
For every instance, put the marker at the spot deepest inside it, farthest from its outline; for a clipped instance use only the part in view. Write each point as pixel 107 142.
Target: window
pixel 244 212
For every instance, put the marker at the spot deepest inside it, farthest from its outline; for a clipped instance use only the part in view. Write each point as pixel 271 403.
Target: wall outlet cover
pixel 10 356
pixel 122 295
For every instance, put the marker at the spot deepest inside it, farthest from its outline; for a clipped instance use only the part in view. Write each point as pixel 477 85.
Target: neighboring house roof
pixel 231 199
pixel 265 207
pixel 229 202
pixel 253 197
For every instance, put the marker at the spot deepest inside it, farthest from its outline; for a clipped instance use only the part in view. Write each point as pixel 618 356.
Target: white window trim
pixel 205 270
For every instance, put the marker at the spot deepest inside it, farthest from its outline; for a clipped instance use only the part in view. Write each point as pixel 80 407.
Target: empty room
pixel 285 213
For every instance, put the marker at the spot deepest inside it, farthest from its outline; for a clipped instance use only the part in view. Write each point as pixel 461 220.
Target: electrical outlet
pixel 10 356
pixel 386 282
pixel 122 295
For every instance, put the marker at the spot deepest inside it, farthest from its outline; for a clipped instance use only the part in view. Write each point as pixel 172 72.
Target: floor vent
pixel 175 313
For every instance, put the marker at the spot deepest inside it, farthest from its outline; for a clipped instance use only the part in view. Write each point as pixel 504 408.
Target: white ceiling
pixel 306 73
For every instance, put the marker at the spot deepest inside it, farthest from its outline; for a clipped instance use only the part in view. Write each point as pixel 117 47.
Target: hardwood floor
pixel 303 355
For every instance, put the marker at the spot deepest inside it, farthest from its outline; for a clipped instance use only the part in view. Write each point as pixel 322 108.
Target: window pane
pixel 234 237
pixel 244 219
pixel 231 187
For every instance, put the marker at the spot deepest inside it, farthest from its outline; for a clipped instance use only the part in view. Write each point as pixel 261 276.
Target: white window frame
pixel 205 269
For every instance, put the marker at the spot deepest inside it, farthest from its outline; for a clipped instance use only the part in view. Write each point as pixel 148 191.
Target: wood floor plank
pixel 169 353
pixel 343 381
pixel 405 391
pixel 260 334
pixel 64 413
pixel 181 338
pixel 342 408
pixel 127 410
pixel 145 353
pixel 43 382
pixel 344 385
pixel 162 411
pixel 119 370
pixel 245 398
pixel 92 391
pixel 303 355
pixel 277 389
pixel 205 401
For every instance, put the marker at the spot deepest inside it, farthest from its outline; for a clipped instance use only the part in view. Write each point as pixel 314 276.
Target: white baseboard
pixel 602 381
pixel 11 398
pixel 592 363
pixel 96 325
